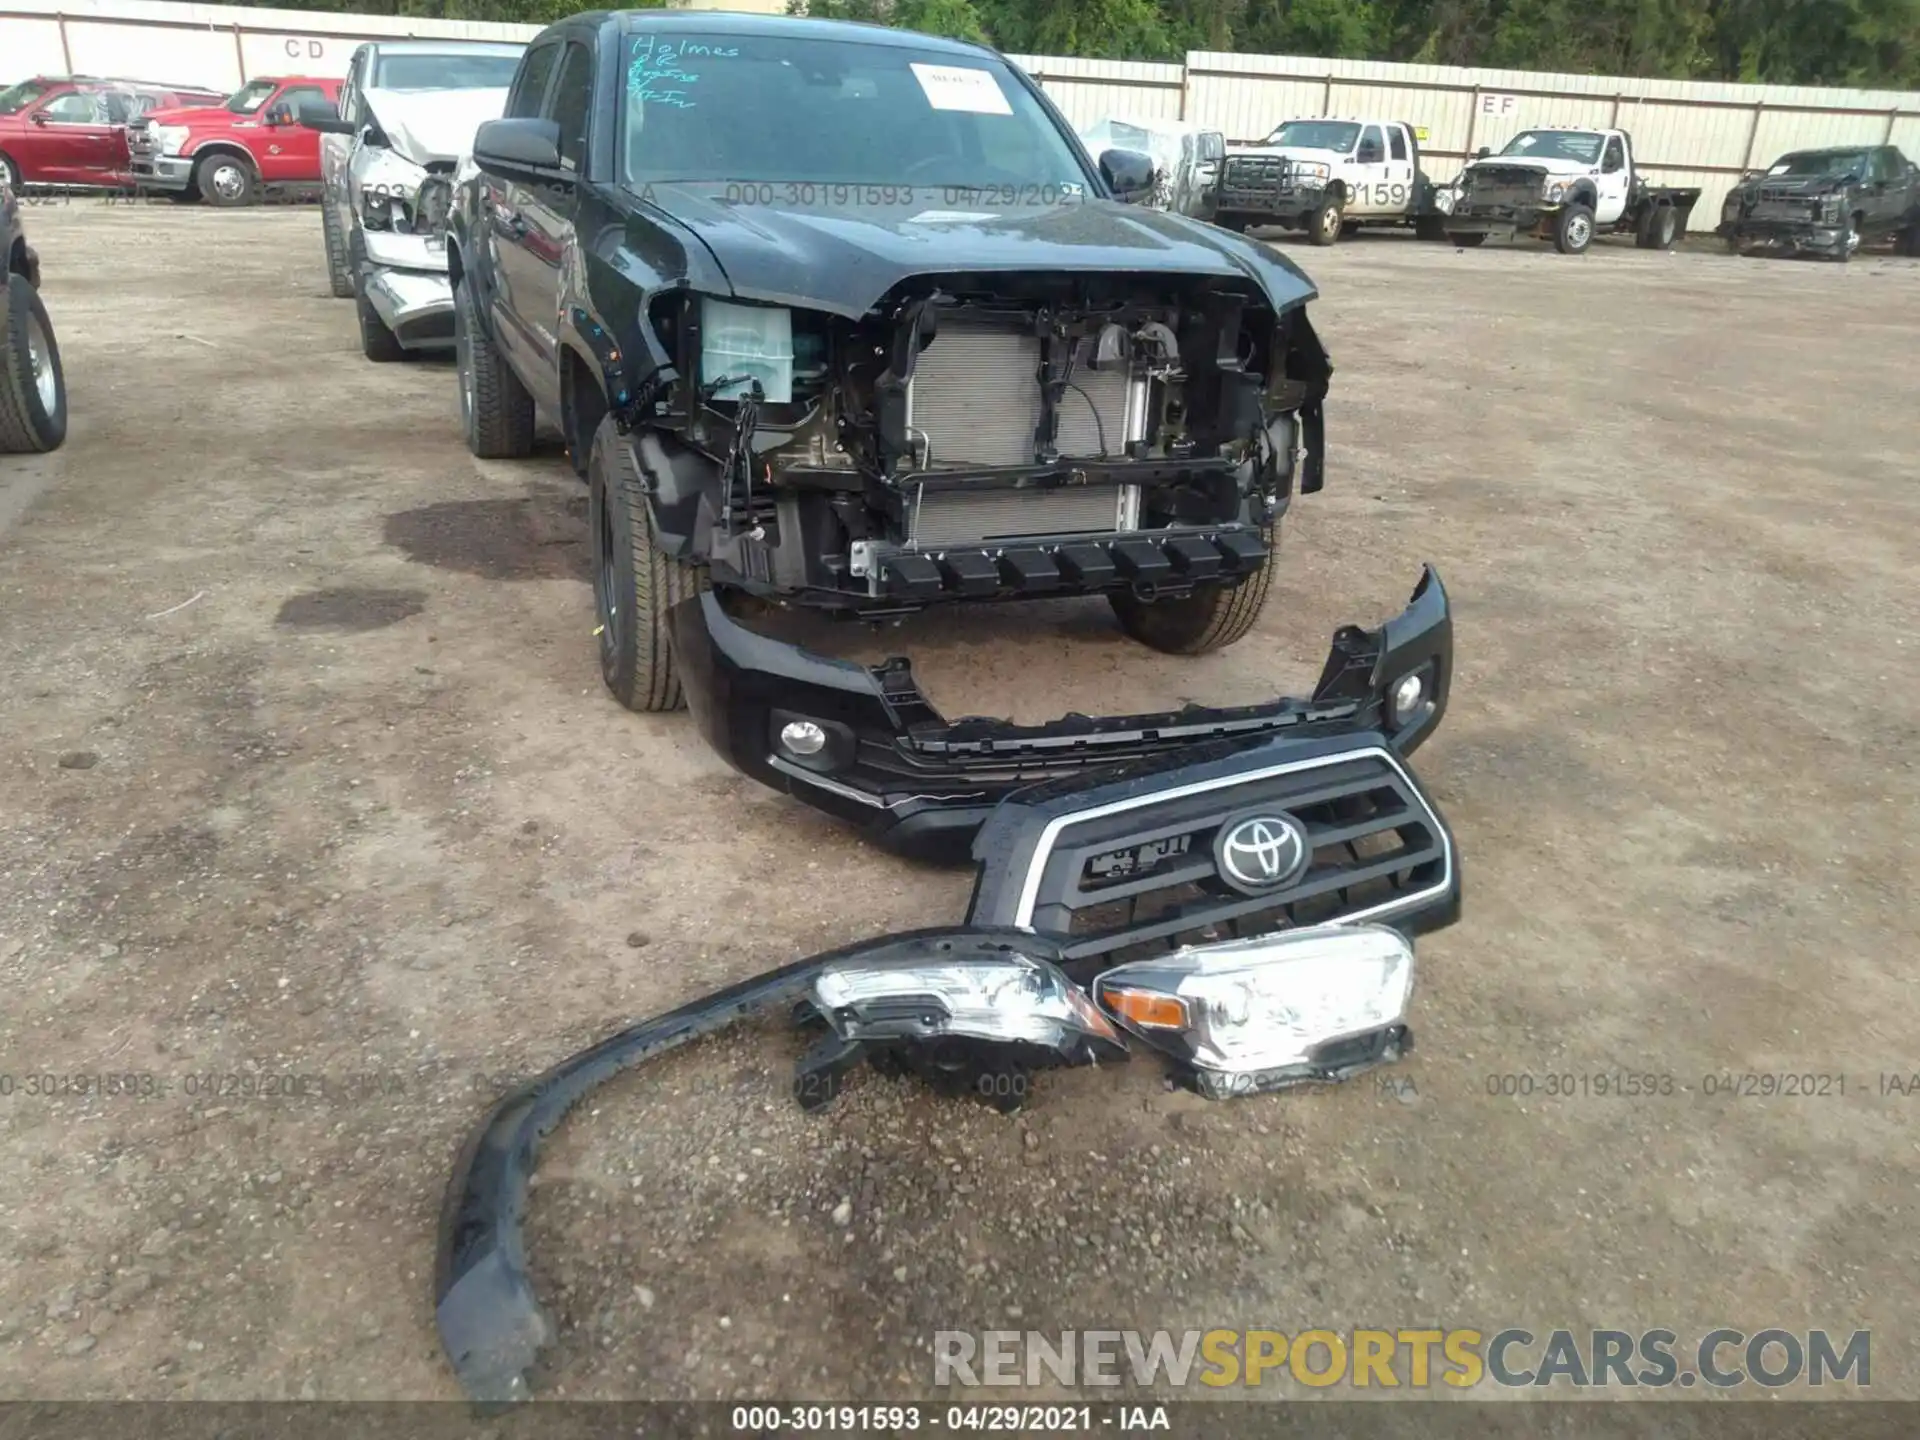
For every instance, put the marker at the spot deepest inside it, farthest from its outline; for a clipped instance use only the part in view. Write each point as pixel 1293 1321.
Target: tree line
pixel 1867 43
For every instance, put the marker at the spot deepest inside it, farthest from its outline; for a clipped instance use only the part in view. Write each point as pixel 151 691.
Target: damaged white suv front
pixel 387 165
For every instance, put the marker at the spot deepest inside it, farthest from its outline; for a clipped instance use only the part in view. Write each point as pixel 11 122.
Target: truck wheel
pixel 496 413
pixel 340 274
pixel 9 175
pixel 1466 239
pixel 1659 227
pixel 33 387
pixel 224 180
pixel 1573 230
pixel 1324 225
pixel 377 342
pixel 1910 242
pixel 1211 618
pixel 635 586
pixel 1852 242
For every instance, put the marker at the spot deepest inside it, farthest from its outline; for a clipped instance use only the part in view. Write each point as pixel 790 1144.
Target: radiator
pixel 975 400
pixel 940 518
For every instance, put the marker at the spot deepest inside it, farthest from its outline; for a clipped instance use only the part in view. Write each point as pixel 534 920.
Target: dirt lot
pixel 306 770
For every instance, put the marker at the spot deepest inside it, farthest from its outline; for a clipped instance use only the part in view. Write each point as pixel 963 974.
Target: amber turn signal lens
pixel 1147 1010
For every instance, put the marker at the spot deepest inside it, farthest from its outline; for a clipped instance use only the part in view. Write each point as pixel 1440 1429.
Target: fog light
pixel 1408 696
pixel 1261 1014
pixel 802 737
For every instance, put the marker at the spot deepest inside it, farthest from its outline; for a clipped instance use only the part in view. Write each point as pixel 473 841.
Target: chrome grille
pixel 1141 879
pixel 975 400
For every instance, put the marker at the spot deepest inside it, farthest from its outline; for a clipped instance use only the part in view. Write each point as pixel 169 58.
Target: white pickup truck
pixel 1328 177
pixel 1565 185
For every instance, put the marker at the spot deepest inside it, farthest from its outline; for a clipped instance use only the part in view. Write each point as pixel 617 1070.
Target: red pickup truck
pixel 70 129
pixel 225 153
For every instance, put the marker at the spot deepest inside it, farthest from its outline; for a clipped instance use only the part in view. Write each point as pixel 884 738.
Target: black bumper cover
pixel 922 786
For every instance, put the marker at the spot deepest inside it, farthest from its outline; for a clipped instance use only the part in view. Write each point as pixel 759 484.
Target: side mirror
pixel 517 145
pixel 1483 152
pixel 1128 173
pixel 319 115
pixel 40 117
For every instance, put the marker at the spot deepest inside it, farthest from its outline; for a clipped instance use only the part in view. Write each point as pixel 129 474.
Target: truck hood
pixel 1810 186
pixel 432 125
pixel 1559 169
pixel 199 115
pixel 1290 152
pixel 845 259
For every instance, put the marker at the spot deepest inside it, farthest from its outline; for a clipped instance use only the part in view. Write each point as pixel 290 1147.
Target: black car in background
pixel 1828 201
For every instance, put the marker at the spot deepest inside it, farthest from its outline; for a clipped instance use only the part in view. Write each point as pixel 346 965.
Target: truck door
pixel 512 273
pixel 337 150
pixel 71 142
pixel 1213 155
pixel 1614 182
pixel 1399 170
pixel 289 153
pixel 1369 174
pixel 1888 195
pixel 547 245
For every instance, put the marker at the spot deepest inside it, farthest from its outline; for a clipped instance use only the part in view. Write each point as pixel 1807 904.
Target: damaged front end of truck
pixel 1234 893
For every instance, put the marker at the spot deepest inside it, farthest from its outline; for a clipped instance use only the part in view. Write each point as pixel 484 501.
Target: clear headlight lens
pixel 168 139
pixel 1002 996
pixel 1443 201
pixel 1251 1015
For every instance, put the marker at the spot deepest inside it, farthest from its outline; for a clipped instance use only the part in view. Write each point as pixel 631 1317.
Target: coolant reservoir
pixel 745 341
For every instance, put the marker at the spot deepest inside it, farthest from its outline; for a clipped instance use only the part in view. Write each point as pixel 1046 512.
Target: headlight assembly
pixel 168 139
pixel 1252 1015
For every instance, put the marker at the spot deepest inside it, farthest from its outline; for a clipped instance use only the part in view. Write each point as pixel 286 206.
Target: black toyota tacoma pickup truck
pixel 842 317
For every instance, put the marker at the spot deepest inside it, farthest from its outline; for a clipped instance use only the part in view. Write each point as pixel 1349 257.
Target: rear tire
pixel 1211 618
pixel 9 174
pixel 33 387
pixel 1573 229
pixel 496 412
pixel 1659 227
pixel 1324 226
pixel 225 180
pixel 1468 239
pixel 635 586
pixel 340 274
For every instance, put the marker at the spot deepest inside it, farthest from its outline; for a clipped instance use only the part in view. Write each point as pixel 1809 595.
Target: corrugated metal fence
pixel 1685 132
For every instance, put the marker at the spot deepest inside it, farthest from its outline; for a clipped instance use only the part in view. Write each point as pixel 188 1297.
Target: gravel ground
pixel 308 783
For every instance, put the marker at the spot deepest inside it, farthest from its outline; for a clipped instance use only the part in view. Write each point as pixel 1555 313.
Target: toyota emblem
pixel 1258 853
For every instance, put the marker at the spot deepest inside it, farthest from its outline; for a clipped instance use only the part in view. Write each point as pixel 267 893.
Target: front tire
pixel 635 585
pixel 1573 230
pixel 33 387
pixel 1211 618
pixel 225 180
pixel 496 412
pixel 377 342
pixel 339 272
pixel 9 174
pixel 1324 226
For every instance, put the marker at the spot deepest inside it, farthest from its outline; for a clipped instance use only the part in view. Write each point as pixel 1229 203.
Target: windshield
pixel 781 111
pixel 250 97
pixel 1581 145
pixel 1317 135
pixel 1822 162
pixel 452 71
pixel 16 98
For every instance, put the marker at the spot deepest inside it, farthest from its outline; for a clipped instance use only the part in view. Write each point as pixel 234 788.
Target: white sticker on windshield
pixel 957 87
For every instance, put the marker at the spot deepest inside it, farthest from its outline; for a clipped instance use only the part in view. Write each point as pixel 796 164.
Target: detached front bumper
pixel 1505 222
pixel 890 764
pixel 406 283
